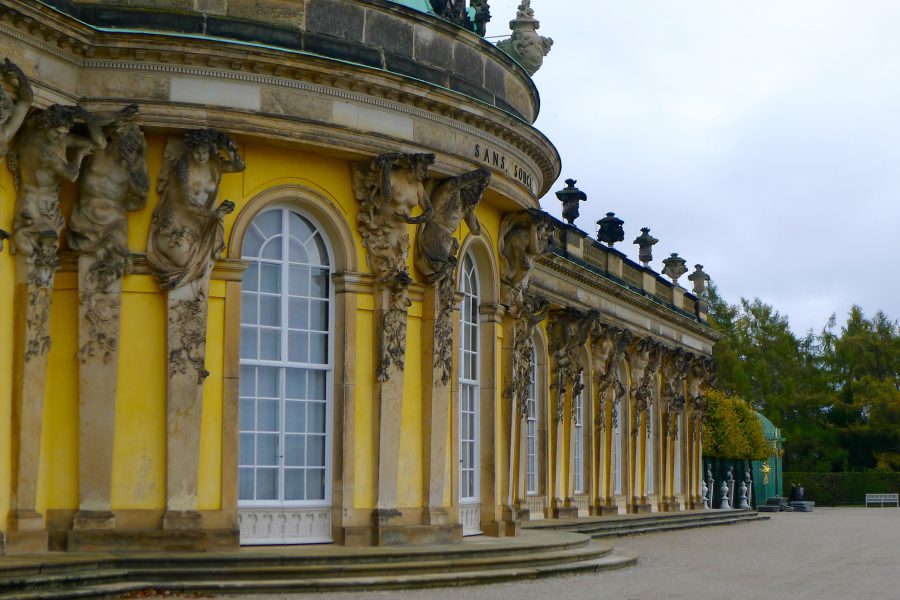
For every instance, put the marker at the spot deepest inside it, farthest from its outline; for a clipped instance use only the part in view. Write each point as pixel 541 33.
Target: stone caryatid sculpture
pixel 676 363
pixel 482 15
pixel 114 180
pixel 524 237
pixel 46 153
pixel 457 12
pixel 13 113
pixel 646 356
pixel 187 232
pixel 525 45
pixel 532 311
pixel 390 190
pixel 645 243
pixel 186 238
pixel 701 376
pixel 674 267
pixel 568 332
pixel 609 344
pixel 453 200
pixel 699 279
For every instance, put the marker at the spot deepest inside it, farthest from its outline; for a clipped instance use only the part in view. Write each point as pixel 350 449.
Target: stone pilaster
pixel 187 310
pixel 99 314
pixel 438 310
pixel 34 286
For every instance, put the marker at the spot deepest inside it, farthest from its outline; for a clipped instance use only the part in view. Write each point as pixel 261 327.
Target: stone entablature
pixel 580 272
pixel 375 33
pixel 295 97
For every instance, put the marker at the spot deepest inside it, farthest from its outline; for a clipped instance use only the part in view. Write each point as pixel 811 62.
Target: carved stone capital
pixel 569 332
pixel 525 317
pixel 524 237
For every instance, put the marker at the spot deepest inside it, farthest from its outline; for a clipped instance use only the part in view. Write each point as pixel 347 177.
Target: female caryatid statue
pixel 187 233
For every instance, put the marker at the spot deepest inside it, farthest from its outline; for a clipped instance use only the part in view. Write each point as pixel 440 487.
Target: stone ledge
pixel 203 540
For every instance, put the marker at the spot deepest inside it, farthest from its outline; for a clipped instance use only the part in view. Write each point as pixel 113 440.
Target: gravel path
pixel 832 553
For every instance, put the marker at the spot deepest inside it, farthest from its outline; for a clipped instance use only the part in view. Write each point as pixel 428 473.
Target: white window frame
pixel 532 422
pixel 282 365
pixel 677 458
pixel 649 463
pixel 473 386
pixel 578 432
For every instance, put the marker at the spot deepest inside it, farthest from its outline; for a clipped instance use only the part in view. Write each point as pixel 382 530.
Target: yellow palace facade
pixel 277 273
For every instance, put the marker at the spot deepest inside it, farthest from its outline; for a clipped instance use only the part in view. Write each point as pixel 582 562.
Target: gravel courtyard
pixel 840 553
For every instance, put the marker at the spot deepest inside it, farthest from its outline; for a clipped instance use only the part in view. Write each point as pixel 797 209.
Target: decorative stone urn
pixel 525 45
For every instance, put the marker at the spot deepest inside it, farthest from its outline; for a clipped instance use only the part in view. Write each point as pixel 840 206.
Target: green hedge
pixel 834 489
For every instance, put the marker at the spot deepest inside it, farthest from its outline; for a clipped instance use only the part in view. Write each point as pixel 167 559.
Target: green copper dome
pixel 420 5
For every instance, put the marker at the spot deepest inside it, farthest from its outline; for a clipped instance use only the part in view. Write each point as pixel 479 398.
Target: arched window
pixel 578 432
pixel 469 384
pixel 650 448
pixel 618 475
pixel 531 433
pixel 677 458
pixel 287 324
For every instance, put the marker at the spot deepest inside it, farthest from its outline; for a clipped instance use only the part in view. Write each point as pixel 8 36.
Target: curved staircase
pixel 307 569
pixel 619 525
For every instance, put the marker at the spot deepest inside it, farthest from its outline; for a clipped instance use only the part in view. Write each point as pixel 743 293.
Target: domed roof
pixel 769 429
pixel 420 5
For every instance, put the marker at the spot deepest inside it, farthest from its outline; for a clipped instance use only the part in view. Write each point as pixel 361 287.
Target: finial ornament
pixel 611 230
pixel 525 45
pixel 645 243
pixel 674 267
pixel 570 196
pixel 699 279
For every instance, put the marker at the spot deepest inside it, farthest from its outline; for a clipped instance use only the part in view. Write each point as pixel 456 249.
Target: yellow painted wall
pixel 139 466
pixel 59 443
pixel 364 461
pixel 139 459
pixel 6 342
pixel 409 486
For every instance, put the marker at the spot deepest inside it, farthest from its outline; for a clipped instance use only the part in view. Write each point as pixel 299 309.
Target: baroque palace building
pixel 277 273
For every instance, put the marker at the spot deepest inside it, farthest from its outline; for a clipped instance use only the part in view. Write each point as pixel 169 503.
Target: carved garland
pixel 189 319
pixel 569 331
pixel 391 187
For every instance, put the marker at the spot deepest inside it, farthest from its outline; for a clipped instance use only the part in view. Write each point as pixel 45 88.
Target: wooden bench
pixel 882 498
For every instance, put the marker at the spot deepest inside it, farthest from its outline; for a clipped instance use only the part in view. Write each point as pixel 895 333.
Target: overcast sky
pixel 761 139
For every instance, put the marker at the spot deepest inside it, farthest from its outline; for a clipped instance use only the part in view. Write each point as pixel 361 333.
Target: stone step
pixel 675 526
pixel 625 524
pixel 603 558
pixel 62 579
pixel 587 552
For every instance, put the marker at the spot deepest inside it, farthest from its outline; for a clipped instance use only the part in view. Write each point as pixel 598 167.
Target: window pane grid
pixel 578 407
pixel 468 384
pixel 285 362
pixel 650 451
pixel 531 431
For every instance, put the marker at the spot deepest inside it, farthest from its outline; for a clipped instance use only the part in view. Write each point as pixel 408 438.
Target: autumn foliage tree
pixel 835 394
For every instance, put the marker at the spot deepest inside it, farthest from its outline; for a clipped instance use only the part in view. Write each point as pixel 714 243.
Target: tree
pixel 781 375
pixel 863 363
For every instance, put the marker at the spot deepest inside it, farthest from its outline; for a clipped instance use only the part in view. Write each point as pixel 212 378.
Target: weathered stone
pixel 336 18
pixel 390 33
pixel 468 64
pixel 432 48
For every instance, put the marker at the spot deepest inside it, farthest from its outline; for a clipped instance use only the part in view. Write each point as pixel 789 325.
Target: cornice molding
pixel 84 47
pixel 556 266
